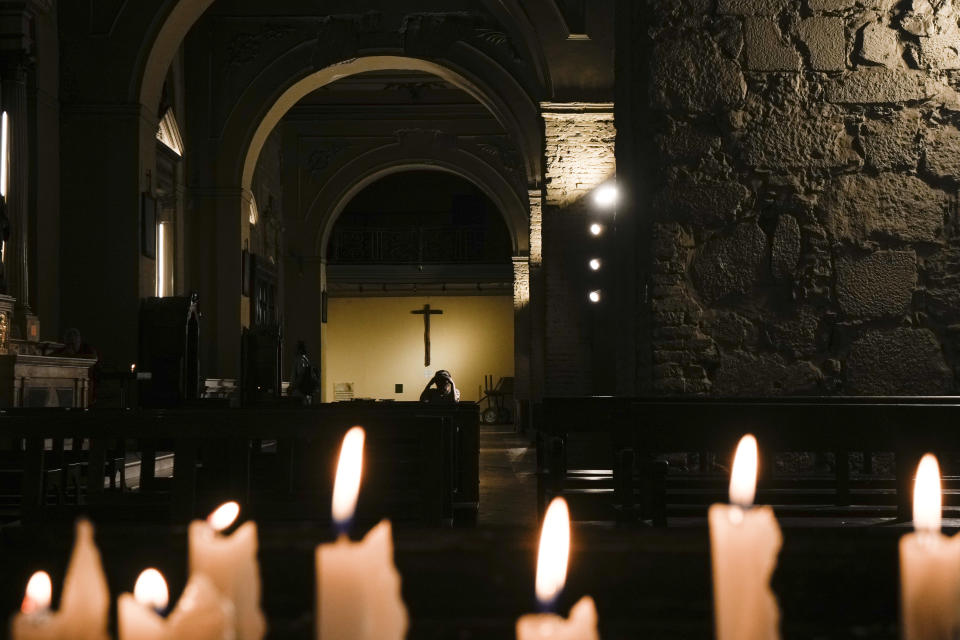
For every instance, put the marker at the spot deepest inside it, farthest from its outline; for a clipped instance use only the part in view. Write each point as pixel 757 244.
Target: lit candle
pixel 34 621
pixel 929 565
pixel 358 586
pixel 231 564
pixel 552 560
pixel 744 543
pixel 202 613
pixel 84 603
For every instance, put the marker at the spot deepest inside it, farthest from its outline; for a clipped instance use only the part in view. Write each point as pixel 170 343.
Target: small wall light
pixel 606 196
pixel 596 229
pixel 595 264
pixel 595 296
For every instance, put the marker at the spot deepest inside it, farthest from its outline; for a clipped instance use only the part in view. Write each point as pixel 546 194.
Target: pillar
pixel 579 155
pixel 522 338
pixel 13 79
pixel 536 296
pixel 215 244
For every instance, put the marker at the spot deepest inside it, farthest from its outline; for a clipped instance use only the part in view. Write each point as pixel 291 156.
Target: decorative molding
pixel 321 155
pixel 245 48
pixel 576 107
pixel 425 138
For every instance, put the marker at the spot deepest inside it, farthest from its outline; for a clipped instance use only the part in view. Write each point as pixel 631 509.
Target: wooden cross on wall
pixel 426 312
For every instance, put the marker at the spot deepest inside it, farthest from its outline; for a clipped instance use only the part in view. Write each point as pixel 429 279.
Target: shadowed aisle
pixel 508 482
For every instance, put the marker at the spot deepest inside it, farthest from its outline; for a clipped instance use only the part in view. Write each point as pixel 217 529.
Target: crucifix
pixel 426 312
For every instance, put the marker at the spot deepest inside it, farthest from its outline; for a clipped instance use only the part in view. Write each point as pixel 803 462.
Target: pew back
pixel 421 461
pixel 638 429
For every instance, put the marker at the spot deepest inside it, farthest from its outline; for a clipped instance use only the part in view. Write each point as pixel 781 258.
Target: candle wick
pixel 736 513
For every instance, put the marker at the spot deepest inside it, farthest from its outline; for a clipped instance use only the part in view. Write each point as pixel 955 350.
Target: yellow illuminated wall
pixel 376 343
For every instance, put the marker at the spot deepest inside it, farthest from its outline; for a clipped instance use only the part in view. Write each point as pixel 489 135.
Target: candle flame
pixel 151 590
pixel 224 516
pixel 554 551
pixel 346 487
pixel 927 501
pixel 39 593
pixel 743 478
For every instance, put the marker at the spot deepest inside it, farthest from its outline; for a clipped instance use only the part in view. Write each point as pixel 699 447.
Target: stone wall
pixel 803 218
pixel 579 156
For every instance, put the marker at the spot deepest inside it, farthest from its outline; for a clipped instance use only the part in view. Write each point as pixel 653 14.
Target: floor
pixel 508 482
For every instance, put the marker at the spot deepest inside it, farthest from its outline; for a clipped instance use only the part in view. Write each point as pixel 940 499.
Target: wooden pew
pixel 422 461
pixel 635 430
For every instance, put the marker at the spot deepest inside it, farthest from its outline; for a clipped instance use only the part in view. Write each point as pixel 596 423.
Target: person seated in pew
pixel 306 377
pixel 440 388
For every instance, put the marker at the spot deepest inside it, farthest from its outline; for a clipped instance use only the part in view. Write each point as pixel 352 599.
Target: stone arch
pixel 264 104
pixel 500 91
pixel 378 163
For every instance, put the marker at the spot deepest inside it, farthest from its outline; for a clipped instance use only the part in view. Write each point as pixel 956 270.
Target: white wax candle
pixel 581 625
pixel 358 589
pixel 231 564
pixel 929 565
pixel 202 613
pixel 552 558
pixel 358 585
pixel 744 543
pixel 84 602
pixel 34 622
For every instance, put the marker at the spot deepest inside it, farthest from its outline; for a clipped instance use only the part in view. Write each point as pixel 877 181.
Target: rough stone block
pixel 940 51
pixel 872 86
pixel 730 264
pixel 942 280
pixel 689 73
pixel 942 155
pixel 879 44
pixel 732 329
pixel 892 144
pixel 898 362
pixel 880 284
pixel 747 374
pixel 766 48
pixel 826 41
pixel 796 141
pixel 684 143
pixel 785 248
pixel 891 205
pixel 699 202
pixel 752 7
pixel 798 336
pixel 832 5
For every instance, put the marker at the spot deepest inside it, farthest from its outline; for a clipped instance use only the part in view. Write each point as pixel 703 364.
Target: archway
pixel 368 168
pixel 412 240
pixel 267 99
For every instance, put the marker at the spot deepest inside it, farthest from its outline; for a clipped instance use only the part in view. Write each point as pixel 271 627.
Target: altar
pixel 44 381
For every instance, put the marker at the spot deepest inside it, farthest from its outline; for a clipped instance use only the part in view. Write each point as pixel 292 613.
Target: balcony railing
pixel 416 245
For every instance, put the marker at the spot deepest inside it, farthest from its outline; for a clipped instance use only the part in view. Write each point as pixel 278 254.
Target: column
pixel 521 339
pixel 215 243
pixel 13 79
pixel 536 295
pixel 579 157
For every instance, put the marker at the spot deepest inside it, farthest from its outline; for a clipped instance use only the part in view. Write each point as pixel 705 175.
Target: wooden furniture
pixel 169 350
pixel 628 433
pixel 421 462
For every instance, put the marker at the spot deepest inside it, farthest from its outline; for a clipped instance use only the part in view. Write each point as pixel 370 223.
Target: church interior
pixel 457 319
